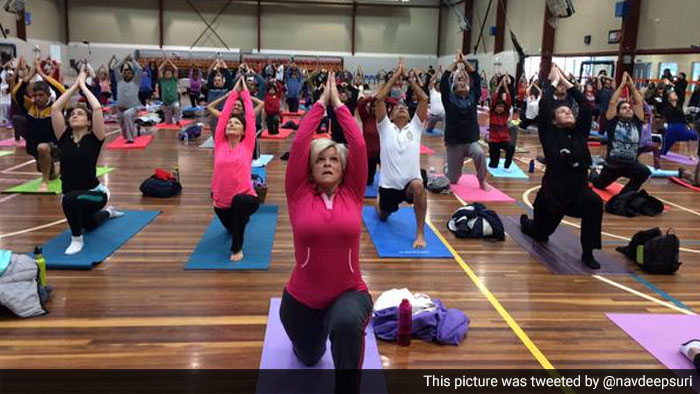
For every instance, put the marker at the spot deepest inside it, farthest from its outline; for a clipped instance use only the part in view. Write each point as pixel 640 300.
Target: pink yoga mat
pixel 278 354
pixel 11 142
pixel 679 158
pixel 661 334
pixel 139 143
pixel 283 134
pixel 173 126
pixel 424 150
pixel 468 190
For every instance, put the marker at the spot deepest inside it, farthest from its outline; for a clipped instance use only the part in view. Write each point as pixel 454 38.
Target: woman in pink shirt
pixel 325 187
pixel 234 141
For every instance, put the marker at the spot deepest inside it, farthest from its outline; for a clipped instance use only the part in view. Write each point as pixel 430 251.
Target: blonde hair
pixel 321 144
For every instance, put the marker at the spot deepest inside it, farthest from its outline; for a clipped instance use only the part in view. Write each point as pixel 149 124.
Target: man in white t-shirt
pixel 399 136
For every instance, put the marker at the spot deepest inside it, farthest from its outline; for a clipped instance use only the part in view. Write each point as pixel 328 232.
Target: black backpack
pixel 155 187
pixel 655 252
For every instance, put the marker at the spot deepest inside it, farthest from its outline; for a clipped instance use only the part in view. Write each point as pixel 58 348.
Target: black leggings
pixel 637 173
pixel 193 98
pixel 372 163
pixel 293 104
pixel 83 210
pixel 344 321
pixel 495 153
pixel 586 205
pixel 19 124
pixel 273 124
pixel 236 218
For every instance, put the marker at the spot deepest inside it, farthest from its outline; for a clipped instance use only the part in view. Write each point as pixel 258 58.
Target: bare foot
pixel 237 256
pixel 44 187
pixel 484 187
pixel 419 242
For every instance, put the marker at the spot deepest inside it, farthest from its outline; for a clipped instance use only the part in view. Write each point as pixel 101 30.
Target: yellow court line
pixel 505 315
pixel 645 296
pixel 494 302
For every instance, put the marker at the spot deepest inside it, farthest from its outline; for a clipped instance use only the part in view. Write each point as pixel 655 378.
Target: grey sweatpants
pixel 172 113
pixel 127 121
pixel 456 153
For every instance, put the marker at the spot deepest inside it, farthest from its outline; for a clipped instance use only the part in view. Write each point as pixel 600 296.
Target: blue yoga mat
pixel 259 171
pixel 372 190
pixel 263 160
pixel 500 172
pixel 596 135
pixel 100 243
pixel 214 249
pixel 662 173
pixel 394 238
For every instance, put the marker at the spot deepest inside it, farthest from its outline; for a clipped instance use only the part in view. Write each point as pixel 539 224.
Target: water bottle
pixel 405 323
pixel 432 171
pixel 532 166
pixel 187 138
pixel 176 173
pixel 39 257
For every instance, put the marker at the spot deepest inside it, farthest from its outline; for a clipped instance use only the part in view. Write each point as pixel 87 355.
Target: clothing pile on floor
pixel 432 321
pixel 20 291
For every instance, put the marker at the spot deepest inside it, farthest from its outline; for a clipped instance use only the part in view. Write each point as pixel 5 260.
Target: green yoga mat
pixel 32 187
pixel 5 153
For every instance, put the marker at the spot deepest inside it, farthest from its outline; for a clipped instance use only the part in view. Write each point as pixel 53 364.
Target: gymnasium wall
pixel 669 24
pixel 525 18
pixel 450 32
pixel 595 18
pixel 114 21
pixel 486 44
pixel 396 30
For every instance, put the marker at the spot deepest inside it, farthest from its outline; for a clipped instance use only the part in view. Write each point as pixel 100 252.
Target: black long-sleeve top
pixel 565 150
pixel 461 121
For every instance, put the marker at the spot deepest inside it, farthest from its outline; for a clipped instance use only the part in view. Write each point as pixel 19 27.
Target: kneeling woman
pixel 565 190
pixel 80 144
pixel 234 142
pixel 325 187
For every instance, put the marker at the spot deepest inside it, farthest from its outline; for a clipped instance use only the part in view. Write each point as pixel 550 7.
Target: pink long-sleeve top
pixel 232 165
pixel 326 229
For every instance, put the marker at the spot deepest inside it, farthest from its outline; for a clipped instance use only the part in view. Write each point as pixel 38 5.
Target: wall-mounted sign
pixel 614 36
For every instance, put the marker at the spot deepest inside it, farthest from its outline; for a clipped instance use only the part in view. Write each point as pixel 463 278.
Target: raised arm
pixel 380 104
pixel 98 122
pixel 638 98
pixel 297 173
pixel 259 105
pixel 612 107
pixel 212 107
pixel 356 171
pixel 161 66
pixel 117 68
pixel 57 119
pixel 422 109
pixel 220 132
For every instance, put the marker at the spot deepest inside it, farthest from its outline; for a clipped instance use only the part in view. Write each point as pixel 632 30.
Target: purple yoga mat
pixel 278 354
pixel 562 253
pixel 679 158
pixel 661 335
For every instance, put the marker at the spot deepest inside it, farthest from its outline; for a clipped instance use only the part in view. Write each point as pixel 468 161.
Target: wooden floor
pixel 141 309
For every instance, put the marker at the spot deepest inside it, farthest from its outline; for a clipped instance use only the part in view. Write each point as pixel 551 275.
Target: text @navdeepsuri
pixel 604 383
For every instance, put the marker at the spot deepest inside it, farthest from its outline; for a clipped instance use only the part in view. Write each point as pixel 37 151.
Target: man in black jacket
pixel 565 189
pixel 460 89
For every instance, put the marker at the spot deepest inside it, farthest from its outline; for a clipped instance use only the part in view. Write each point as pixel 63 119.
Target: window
pixel 671 66
pixel 695 75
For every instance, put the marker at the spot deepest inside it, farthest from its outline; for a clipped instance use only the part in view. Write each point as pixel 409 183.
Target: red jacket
pixel 369 126
pixel 272 104
pixel 498 123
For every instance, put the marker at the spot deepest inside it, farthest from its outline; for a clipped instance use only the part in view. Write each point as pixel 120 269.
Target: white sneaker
pixel 507 170
pixel 685 348
pixel 76 245
pixel 113 212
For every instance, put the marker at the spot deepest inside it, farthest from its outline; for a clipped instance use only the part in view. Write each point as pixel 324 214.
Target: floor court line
pixel 524 338
pixel 29 230
pixel 8 170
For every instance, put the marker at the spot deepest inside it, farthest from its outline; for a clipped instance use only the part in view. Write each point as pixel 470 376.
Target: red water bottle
pixel 405 323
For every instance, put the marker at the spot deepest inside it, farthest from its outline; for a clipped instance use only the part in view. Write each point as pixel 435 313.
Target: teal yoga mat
pixel 500 172
pixel 214 249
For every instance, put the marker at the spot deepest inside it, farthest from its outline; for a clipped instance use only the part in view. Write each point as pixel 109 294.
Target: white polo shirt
pixel 400 153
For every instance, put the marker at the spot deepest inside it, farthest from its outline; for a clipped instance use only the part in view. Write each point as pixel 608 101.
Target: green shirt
pixel 168 89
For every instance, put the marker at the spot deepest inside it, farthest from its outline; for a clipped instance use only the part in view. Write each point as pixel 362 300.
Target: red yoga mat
pixel 173 126
pixel 684 183
pixel 283 134
pixel 139 143
pixel 612 190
